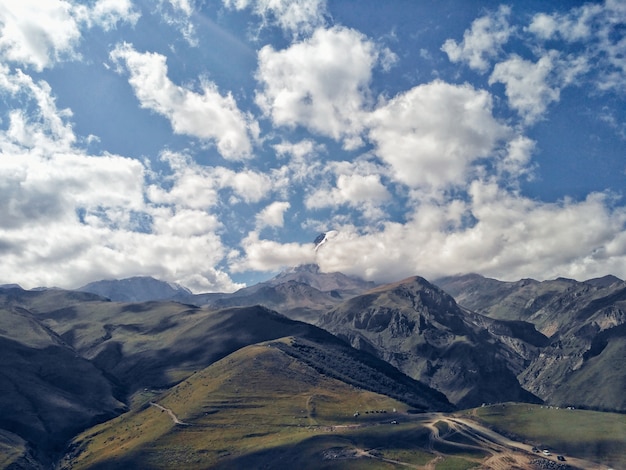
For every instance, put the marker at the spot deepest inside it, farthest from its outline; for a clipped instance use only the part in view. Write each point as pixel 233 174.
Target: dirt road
pixel 505 453
pixel 170 413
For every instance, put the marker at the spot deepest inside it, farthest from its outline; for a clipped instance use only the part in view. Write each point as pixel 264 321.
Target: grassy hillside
pixel 13 450
pixel 254 400
pixel 599 437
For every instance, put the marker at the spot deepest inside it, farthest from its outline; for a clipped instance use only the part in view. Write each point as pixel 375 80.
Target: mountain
pixel 72 359
pixel 311 275
pixel 48 392
pixel 273 395
pixel 585 325
pixel 301 293
pixel 293 299
pixel 421 330
pixel 136 289
pixel 156 344
pixel 545 304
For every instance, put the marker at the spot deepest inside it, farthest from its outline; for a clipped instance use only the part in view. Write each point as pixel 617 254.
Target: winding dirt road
pixel 170 413
pixel 468 435
pixel 505 452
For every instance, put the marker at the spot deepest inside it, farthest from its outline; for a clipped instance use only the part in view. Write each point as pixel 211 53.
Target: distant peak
pixel 604 281
pixel 409 281
pixel 10 286
pixel 313 275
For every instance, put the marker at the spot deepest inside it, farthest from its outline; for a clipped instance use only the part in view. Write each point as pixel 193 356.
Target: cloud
pixel 70 216
pixel 357 185
pixel 483 41
pixel 532 86
pixel 247 185
pixel 108 13
pixel 526 84
pixel 320 83
pixel 576 25
pixel 179 15
pixel 40 34
pixel 496 232
pixel 437 189
pixel 517 160
pixel 294 16
pixel 431 134
pixel 206 115
pixel 269 255
pixel 272 215
pixel 195 186
pixel 585 48
pixel 304 160
pixel 594 30
pixel 43 127
pixel 182 222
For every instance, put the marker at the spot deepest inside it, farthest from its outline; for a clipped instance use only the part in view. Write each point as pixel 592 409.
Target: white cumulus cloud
pixel 273 215
pixel 532 86
pixel 207 114
pixel 269 255
pixel 496 232
pixel 320 83
pixel 431 134
pixel 40 33
pixel 357 185
pixel 483 41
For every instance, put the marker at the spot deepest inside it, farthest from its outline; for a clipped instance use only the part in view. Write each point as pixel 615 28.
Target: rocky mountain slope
pixel 301 293
pixel 72 359
pixel 585 325
pixel 421 330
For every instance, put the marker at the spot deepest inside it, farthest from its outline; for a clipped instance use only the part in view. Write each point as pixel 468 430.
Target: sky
pixel 209 142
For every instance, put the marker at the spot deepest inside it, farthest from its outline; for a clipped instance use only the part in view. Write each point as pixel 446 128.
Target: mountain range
pixel 73 359
pixel 584 322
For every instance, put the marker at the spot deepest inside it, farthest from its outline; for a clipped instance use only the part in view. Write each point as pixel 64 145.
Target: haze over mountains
pixel 72 359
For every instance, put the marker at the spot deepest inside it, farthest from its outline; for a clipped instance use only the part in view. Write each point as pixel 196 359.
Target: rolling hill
pixel 263 397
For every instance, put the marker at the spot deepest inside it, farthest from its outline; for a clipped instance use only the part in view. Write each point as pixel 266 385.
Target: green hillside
pixel 598 437
pixel 254 400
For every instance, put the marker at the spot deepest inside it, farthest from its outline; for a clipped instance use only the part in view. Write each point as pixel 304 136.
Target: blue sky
pixel 209 142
